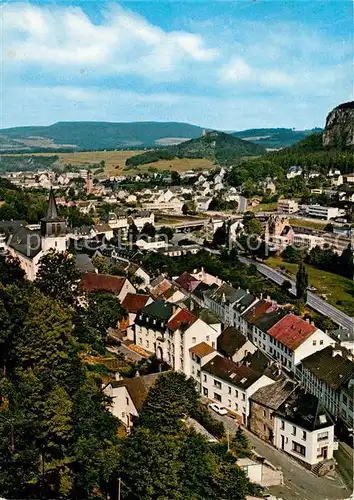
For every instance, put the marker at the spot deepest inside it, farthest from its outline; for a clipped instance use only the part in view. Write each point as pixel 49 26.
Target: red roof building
pixel 183 318
pixel 187 282
pixel 133 302
pixel 292 331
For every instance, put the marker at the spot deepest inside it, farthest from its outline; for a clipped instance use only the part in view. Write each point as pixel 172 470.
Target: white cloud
pixel 124 42
pixel 237 70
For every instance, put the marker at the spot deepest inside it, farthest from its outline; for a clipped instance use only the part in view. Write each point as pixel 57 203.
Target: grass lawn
pixel 264 207
pixel 337 288
pixel 308 223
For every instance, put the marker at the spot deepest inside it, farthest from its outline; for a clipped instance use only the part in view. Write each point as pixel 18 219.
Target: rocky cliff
pixel 339 129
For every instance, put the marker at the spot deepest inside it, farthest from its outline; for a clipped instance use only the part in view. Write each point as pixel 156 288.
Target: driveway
pixel 299 483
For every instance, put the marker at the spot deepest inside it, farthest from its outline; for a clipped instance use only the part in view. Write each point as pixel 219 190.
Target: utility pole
pixel 119 488
pixel 228 440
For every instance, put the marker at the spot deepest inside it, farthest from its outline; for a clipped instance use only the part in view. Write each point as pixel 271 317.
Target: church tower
pixel 53 228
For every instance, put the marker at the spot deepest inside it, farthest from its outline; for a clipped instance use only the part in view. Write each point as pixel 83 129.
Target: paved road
pixel 313 300
pixel 299 483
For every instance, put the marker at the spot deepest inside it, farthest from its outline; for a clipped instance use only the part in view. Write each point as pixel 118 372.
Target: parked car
pixel 221 410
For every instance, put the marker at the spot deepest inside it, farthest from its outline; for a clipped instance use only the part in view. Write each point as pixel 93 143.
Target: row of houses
pixel 253 370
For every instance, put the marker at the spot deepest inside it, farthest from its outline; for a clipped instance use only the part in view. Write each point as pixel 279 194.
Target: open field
pixel 263 207
pixel 178 164
pixel 308 223
pixel 337 288
pixel 115 161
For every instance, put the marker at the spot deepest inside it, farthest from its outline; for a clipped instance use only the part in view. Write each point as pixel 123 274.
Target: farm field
pixel 308 223
pixel 115 161
pixel 339 290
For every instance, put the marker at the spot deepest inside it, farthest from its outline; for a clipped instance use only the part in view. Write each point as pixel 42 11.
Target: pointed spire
pixel 52 211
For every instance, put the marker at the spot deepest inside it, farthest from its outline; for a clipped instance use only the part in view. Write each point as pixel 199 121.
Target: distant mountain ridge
pixel 96 135
pixel 275 138
pixel 93 136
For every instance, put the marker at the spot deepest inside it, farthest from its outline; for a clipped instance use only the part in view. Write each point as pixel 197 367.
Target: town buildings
pixel 294 421
pixel 287 206
pixel 30 245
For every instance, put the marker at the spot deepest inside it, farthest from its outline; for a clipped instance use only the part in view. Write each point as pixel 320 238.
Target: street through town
pixel 299 483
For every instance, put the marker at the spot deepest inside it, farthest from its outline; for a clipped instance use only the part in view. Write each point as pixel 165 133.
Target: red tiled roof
pixel 94 282
pixel 183 317
pixel 161 288
pixel 187 281
pixel 292 331
pixel 133 302
pixel 259 308
pixel 202 349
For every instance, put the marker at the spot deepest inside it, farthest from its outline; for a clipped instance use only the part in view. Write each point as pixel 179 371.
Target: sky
pixel 227 65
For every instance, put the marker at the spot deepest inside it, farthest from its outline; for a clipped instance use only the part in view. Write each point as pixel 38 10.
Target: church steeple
pixel 52 224
pixel 52 210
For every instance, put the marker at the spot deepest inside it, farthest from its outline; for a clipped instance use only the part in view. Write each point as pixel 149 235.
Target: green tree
pixel 346 264
pixel 10 270
pixel 149 230
pixel 175 178
pixel 150 466
pixel 103 311
pixel 58 277
pixel 172 397
pixel 220 236
pixel 101 264
pixel 167 231
pixel 302 282
pixel 133 232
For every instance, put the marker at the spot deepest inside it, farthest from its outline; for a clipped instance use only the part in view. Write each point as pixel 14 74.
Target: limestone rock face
pixel 339 129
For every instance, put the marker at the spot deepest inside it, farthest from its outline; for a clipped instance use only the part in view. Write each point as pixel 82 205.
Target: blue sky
pixel 228 65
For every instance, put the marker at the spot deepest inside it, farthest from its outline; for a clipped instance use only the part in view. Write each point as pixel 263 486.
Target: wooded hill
pixel 216 146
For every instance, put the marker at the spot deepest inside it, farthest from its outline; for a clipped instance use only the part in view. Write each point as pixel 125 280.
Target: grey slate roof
pixel 272 396
pixel 26 241
pixel 239 376
pixel 305 410
pixel 158 309
pixel 230 341
pixel 331 367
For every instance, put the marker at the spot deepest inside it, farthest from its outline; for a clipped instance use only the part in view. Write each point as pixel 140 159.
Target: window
pixel 205 391
pixel 217 397
pixel 207 338
pixel 321 342
pixel 264 413
pixel 140 340
pixel 314 342
pixel 193 370
pixel 229 401
pixel 147 343
pixel 299 448
pixel 198 373
pixel 127 401
pixel 229 390
pixel 236 393
pixel 345 400
pixel 243 397
pixel 217 384
pixel 204 378
pixel 194 340
pixel 294 431
pixel 322 435
pixel 282 425
pixel 236 406
pixel 304 435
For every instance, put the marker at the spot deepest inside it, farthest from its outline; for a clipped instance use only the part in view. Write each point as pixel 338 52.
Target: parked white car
pixel 221 410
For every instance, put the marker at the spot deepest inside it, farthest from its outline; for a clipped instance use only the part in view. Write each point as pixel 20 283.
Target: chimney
pixel 307 320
